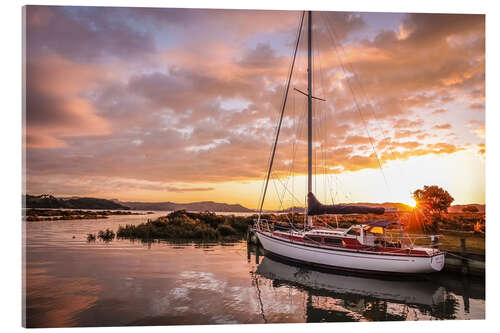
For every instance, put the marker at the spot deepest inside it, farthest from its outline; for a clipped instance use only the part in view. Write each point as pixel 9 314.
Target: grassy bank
pixel 185 225
pixel 34 214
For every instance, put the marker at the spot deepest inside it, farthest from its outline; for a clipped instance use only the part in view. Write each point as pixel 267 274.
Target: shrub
pixel 107 235
pixel 226 230
pixel 186 225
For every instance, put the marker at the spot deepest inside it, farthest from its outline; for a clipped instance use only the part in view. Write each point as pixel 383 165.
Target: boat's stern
pixel 437 261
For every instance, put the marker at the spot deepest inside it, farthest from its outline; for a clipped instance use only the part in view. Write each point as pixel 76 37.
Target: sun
pixel 412 203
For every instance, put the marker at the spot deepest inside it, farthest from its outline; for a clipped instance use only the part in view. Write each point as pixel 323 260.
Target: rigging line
pixel 290 70
pixel 334 178
pixel 322 116
pixel 276 117
pixel 281 202
pixel 294 143
pixel 261 194
pixel 324 123
pixel 360 113
pixel 293 157
pixel 290 169
pixel 298 131
pixel 277 193
pixel 371 108
pixel 368 102
pixel 281 117
pixel 293 195
pixel 357 105
pixel 256 281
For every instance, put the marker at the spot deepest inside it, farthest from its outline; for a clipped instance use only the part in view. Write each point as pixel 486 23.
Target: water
pixel 70 282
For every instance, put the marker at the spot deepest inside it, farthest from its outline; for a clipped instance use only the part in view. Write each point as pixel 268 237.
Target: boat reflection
pixel 338 297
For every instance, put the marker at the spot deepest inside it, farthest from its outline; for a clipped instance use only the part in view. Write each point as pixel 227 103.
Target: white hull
pixel 351 259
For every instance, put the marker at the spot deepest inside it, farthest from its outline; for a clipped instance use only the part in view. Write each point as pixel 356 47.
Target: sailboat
pixel 366 247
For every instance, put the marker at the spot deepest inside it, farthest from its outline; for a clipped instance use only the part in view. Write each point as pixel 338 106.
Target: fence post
pixel 463 247
pixel 463 252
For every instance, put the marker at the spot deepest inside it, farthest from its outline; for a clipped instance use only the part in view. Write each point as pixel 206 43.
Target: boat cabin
pixel 372 233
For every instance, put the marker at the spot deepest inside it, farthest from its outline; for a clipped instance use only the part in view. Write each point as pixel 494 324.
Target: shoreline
pixel 47 214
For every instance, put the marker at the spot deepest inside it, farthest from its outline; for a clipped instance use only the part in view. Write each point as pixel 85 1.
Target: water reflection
pixel 70 282
pixel 340 297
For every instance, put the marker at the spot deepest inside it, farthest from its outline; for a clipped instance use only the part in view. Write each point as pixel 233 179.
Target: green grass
pixel 474 243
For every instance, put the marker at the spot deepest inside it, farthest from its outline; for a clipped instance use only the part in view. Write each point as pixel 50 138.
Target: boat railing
pixel 396 239
pixel 272 225
pixel 406 240
pixel 263 225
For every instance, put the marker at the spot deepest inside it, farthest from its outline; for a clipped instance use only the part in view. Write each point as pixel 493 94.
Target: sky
pixel 145 104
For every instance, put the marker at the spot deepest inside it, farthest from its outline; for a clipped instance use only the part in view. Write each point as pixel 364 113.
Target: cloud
pixel 406 123
pixel 439 111
pixel 481 148
pixel 84 34
pixel 406 133
pixel 130 105
pixel 55 108
pixel 476 106
pixel 442 127
pixel 478 128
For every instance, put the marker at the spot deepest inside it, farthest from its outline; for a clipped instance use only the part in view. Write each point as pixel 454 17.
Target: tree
pixel 432 201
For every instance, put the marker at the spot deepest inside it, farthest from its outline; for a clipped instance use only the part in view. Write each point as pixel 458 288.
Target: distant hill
pixel 193 206
pixel 387 205
pixel 458 208
pixel 49 201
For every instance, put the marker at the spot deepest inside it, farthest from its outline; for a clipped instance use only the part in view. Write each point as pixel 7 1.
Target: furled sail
pixel 314 207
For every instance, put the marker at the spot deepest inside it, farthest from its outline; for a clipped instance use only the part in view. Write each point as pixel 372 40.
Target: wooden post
pixel 249 252
pixel 463 252
pixel 463 247
pixel 434 242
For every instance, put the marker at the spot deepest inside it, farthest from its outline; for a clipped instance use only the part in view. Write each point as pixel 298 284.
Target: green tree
pixel 433 201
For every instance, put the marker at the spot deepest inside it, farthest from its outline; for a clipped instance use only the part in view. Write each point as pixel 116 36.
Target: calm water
pixel 70 282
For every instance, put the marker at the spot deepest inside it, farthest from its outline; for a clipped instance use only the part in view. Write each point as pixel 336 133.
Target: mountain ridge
pixel 199 206
pixel 75 202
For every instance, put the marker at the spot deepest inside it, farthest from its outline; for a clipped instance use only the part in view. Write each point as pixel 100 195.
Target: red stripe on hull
pixel 353 244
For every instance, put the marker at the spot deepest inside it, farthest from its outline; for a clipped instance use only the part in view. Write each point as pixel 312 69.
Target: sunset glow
pixel 181 105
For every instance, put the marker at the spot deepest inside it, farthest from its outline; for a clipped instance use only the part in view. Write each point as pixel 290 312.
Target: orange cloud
pixel 443 127
pixel 164 113
pixel 54 108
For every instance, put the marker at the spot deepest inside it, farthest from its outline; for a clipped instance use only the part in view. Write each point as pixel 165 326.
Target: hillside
pixel 193 206
pixel 458 208
pixel 49 201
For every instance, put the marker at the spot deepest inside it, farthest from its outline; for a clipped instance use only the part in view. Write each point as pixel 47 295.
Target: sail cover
pixel 314 207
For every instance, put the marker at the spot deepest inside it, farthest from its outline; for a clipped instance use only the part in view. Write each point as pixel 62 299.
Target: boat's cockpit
pixel 372 233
